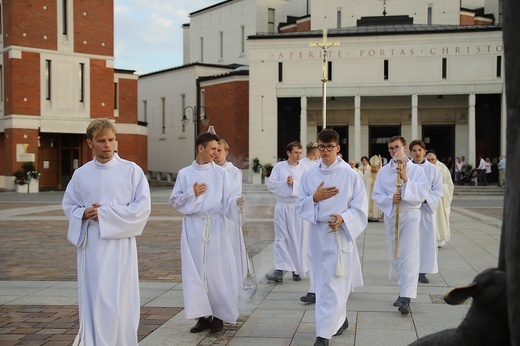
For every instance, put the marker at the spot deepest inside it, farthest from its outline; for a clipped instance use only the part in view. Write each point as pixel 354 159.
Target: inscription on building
pixel 368 52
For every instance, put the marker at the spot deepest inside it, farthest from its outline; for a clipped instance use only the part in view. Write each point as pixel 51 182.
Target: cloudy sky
pixel 148 33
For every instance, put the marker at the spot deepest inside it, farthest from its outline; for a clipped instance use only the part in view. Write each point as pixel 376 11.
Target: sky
pixel 148 33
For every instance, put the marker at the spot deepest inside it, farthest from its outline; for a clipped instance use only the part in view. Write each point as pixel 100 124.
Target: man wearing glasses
pixel 333 200
pixel 414 191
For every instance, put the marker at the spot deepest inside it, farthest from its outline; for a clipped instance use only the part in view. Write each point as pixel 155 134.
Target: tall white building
pixel 397 67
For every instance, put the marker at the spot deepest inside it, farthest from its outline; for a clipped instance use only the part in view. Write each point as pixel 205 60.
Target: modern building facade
pixel 57 74
pixel 429 70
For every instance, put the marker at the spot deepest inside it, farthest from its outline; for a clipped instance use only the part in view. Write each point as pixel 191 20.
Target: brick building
pixel 57 73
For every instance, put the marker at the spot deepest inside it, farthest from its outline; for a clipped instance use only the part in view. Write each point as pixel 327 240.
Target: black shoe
pixel 276 276
pixel 216 325
pixel 342 328
pixel 423 279
pixel 296 277
pixel 310 298
pixel 397 302
pixel 321 341
pixel 404 308
pixel 202 324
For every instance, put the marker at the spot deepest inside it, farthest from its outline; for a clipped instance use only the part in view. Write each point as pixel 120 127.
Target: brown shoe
pixel 202 324
pixel 216 325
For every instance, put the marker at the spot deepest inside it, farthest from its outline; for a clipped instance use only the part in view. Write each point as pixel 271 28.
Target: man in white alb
pixel 107 203
pixel 333 200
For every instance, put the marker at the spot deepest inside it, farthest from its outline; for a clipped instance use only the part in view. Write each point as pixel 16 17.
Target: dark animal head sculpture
pixel 486 322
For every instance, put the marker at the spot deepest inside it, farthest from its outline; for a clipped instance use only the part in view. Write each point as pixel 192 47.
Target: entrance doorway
pixel 289 110
pixel 440 138
pixel 378 136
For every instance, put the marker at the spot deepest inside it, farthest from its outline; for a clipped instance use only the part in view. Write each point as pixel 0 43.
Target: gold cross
pixel 324 45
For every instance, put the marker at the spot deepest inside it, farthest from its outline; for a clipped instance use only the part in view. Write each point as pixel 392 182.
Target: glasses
pixel 394 148
pixel 322 147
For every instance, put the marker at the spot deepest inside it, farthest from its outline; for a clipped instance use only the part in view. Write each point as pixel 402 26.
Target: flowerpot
pixel 34 186
pixel 257 178
pixel 22 188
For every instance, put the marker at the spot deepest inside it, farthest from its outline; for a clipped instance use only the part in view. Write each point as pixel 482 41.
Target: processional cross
pixel 324 45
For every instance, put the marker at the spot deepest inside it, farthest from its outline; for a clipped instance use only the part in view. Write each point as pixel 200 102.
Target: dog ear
pixel 459 295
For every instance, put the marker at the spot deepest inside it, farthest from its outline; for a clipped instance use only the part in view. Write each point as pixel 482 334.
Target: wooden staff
pixel 398 185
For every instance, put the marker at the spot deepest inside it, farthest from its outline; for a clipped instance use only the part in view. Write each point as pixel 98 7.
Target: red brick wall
pixel 127 101
pixel 102 90
pixel 19 136
pixel 229 116
pixel 28 23
pixel 133 148
pixel 94 24
pixel 22 84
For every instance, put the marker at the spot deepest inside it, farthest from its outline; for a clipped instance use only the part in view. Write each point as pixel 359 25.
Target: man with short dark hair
pixel 290 233
pixel 206 194
pixel 333 200
pixel 427 228
pixel 412 194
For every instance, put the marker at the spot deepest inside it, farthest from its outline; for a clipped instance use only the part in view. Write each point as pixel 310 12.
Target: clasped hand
pixel 92 212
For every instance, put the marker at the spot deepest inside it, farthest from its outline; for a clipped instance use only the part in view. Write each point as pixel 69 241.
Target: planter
pixel 22 188
pixel 34 186
pixel 257 178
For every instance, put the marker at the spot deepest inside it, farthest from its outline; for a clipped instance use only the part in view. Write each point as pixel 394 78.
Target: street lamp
pixel 194 110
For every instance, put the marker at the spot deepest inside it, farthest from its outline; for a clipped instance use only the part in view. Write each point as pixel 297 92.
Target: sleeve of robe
pixel 306 208
pixel 381 198
pixel 123 221
pixel 415 190
pixel 355 217
pixel 435 193
pixel 74 209
pixel 447 184
pixel 230 193
pixel 183 197
pixel 278 182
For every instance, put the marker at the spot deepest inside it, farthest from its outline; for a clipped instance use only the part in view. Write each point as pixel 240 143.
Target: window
pixel 47 79
pixel 81 82
pixel 242 39
pixel 338 19
pixel 163 115
pixel 1 16
pixel 385 69
pixel 429 15
pixel 116 96
pixel 270 20
pixel 329 70
pixel 499 66
pixel 64 21
pixel 444 67
pixel 145 111
pixel 202 49
pixel 221 45
pixel 280 72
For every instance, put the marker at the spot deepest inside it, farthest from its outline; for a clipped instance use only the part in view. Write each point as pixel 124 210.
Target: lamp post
pixel 194 111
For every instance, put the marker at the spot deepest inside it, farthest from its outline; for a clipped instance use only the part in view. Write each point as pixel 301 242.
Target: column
pixel 503 125
pixel 303 122
pixel 357 127
pixel 472 155
pixel 414 120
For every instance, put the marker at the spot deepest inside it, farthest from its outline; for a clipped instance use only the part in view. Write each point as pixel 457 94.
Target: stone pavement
pixel 38 297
